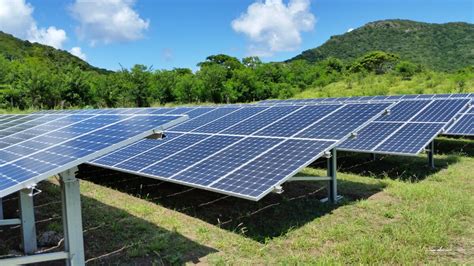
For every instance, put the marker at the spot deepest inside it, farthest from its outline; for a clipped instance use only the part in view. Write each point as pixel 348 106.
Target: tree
pixel 213 77
pixel 251 62
pixel 377 61
pixel 188 89
pixel 139 76
pixel 407 69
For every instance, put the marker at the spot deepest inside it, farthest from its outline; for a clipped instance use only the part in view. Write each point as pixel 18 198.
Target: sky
pixel 166 34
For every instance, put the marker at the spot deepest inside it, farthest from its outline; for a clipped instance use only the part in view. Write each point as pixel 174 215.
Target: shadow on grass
pixel 270 217
pixel 126 239
pixel 275 214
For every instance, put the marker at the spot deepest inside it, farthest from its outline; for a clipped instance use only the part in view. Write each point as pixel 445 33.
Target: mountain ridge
pixel 13 48
pixel 443 47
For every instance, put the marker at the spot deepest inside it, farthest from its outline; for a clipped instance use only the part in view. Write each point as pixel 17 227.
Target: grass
pixel 391 84
pixel 395 211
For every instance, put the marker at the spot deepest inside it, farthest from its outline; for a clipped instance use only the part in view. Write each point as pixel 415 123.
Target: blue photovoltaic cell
pixel 131 151
pixel 268 170
pixel 60 144
pixel 441 110
pixel 404 111
pixel 370 136
pixel 297 121
pixel 199 111
pixel 229 120
pixel 343 121
pixel 465 126
pixel 261 120
pixel 199 121
pixel 441 96
pixel 187 157
pixel 225 161
pixel 407 140
pixel 159 152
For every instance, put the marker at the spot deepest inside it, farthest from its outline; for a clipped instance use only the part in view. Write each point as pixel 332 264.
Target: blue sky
pixel 181 33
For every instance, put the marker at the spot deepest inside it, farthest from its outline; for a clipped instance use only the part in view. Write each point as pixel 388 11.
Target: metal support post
pixel 374 156
pixel 28 225
pixel 431 155
pixel 1 209
pixel 72 217
pixel 332 183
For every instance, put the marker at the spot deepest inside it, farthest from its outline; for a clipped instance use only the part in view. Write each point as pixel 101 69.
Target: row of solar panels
pixel 409 127
pixel 371 98
pixel 241 150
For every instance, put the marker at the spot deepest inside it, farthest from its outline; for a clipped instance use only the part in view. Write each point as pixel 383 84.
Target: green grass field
pixel 395 210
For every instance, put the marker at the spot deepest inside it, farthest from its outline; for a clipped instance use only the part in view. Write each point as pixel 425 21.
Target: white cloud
pixel 77 51
pixel 274 26
pixel 16 17
pixel 350 29
pixel 108 21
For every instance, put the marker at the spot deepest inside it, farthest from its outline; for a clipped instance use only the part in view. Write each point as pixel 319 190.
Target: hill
pixel 14 48
pixel 443 47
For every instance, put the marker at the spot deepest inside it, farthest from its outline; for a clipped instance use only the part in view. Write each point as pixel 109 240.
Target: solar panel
pixel 410 139
pixel 238 143
pixel 463 125
pixel 408 129
pixel 54 143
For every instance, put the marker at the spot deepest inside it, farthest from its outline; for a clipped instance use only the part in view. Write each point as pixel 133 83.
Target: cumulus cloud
pixel 77 51
pixel 108 21
pixel 16 17
pixel 350 29
pixel 274 26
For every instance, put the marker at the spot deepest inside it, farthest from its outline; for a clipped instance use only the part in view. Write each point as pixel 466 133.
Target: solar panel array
pixel 244 151
pixel 247 150
pixel 34 147
pixel 390 98
pixel 410 127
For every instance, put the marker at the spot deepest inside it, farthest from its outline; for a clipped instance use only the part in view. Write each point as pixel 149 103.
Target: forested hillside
pixel 442 47
pixel 15 49
pixel 41 77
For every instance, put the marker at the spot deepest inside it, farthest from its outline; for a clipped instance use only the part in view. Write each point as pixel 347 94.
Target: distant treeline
pixel 35 83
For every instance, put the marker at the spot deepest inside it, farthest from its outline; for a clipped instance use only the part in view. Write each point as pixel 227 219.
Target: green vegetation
pixel 440 47
pixel 13 48
pixel 34 76
pixel 395 211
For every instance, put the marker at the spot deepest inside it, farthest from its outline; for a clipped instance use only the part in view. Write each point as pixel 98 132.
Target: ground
pixel 395 210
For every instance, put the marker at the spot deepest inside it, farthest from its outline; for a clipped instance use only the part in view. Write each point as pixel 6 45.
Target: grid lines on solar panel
pixel 219 164
pixel 343 121
pixel 34 159
pixel 404 111
pixel 297 121
pixel 261 120
pixel 194 123
pixel 268 170
pixel 229 120
pixel 163 149
pixel 133 150
pixel 370 136
pixel 185 158
pixel 464 126
pixel 407 140
pixel 441 110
